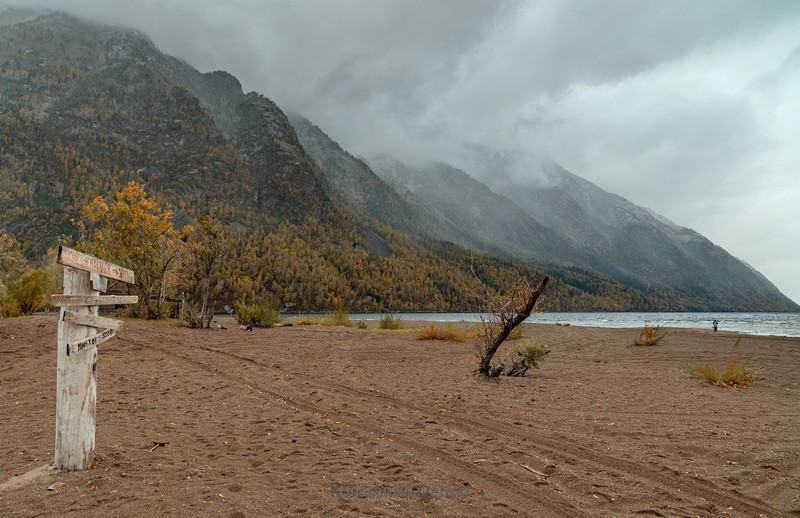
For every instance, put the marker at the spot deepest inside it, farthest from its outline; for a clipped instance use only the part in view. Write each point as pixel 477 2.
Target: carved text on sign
pixel 90 341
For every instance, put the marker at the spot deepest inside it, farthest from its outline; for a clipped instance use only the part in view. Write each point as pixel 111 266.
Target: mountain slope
pixel 486 220
pixel 355 183
pixel 633 245
pixel 112 90
pixel 577 223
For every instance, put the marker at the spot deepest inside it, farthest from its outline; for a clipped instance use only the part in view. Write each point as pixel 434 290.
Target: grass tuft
pixel 339 317
pixel 390 322
pixel 650 335
pixel 515 334
pixel 447 333
pixel 734 373
pixel 9 309
pixel 307 320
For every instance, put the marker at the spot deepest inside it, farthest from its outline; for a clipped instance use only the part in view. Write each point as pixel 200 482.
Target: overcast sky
pixel 691 108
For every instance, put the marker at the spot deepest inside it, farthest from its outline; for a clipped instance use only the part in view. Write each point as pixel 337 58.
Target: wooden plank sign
pixel 93 321
pixel 89 263
pixel 89 341
pixel 80 331
pixel 91 300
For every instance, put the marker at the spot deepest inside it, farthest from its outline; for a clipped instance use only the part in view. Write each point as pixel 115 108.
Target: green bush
pixel 521 358
pixel 259 313
pixel 30 292
pixel 9 309
pixel 390 322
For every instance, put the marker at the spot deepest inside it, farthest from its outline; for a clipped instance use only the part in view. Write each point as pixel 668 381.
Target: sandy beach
pixel 312 421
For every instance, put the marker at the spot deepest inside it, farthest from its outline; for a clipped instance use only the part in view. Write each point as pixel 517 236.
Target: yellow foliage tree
pixel 133 231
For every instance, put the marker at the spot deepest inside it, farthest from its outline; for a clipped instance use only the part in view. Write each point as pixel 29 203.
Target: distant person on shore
pixel 715 323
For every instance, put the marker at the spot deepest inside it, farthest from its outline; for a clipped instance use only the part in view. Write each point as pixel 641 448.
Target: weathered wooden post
pixel 80 331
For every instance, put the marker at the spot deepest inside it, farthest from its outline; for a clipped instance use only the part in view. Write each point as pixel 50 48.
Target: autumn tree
pixel 132 230
pixel 205 245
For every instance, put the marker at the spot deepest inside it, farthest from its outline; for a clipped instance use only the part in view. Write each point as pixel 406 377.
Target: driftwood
pixel 528 468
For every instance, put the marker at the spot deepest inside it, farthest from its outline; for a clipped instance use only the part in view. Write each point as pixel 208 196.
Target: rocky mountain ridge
pixel 584 226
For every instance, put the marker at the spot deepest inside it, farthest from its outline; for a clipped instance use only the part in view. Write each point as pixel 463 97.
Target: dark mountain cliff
pixel 288 184
pixel 355 183
pixel 111 90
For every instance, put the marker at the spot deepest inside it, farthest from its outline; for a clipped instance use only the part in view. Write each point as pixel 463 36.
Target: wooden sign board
pixel 99 283
pixel 80 331
pixel 92 321
pixel 89 341
pixel 88 263
pixel 61 301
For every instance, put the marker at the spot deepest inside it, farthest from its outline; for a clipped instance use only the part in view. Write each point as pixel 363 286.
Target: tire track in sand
pixel 671 482
pixel 502 486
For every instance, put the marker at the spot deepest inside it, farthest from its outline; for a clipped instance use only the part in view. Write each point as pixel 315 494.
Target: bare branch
pixel 504 314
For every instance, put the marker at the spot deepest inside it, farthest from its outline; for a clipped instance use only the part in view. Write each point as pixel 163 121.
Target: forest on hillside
pixel 311 267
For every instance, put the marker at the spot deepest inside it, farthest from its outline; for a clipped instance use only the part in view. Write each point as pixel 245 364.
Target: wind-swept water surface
pixel 774 324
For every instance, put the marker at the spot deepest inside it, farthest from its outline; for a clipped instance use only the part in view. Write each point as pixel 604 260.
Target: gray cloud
pixel 686 107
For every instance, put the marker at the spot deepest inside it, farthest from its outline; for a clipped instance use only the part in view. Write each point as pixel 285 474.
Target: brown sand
pixel 296 420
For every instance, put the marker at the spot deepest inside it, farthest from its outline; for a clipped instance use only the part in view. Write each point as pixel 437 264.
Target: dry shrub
pixel 504 313
pixel 258 313
pixel 447 333
pixel 521 358
pixel 650 335
pixel 339 317
pixel 735 373
pixel 515 334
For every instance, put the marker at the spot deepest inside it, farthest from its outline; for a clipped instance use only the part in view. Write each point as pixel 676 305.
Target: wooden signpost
pixel 80 331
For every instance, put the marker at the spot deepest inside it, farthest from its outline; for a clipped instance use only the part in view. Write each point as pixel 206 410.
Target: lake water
pixel 774 324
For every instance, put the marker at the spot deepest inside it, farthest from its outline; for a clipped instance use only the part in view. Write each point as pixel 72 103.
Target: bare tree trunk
pixel 508 323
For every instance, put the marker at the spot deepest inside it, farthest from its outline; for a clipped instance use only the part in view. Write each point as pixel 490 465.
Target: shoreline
pixel 757 324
